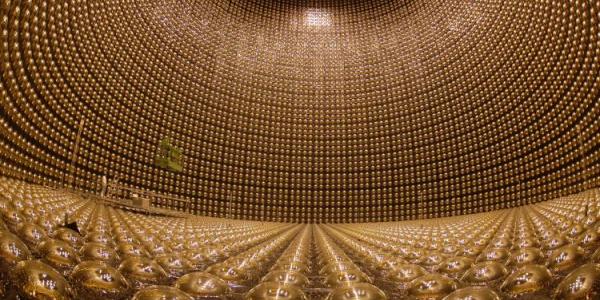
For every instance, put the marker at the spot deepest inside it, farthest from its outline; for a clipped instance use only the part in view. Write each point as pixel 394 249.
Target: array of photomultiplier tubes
pixel 548 250
pixel 330 111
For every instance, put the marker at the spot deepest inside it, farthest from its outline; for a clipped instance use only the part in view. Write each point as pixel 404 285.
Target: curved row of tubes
pixel 549 250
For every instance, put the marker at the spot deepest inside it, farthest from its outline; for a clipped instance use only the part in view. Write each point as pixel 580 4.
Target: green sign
pixel 169 157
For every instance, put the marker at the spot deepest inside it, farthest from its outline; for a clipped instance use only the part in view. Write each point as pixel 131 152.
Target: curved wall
pixel 330 111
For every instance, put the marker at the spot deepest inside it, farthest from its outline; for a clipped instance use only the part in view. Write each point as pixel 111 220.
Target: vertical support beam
pixel 74 153
pixel 229 200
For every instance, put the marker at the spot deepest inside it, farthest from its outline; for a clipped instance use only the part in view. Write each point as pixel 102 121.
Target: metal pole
pixel 74 154
pixel 230 198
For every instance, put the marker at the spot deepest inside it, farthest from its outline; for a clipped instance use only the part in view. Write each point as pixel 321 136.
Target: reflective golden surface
pixel 12 218
pixel 287 277
pixel 526 256
pixel 199 259
pixel 141 272
pixel 161 293
pixel 528 280
pixel 337 266
pixel 12 251
pixel 407 273
pixel 565 259
pixel 58 254
pixel 431 286
pixel 357 291
pixel 229 274
pixel 33 279
pixel 130 249
pixel 494 254
pixel 515 254
pixel 68 235
pixel 473 293
pixel 582 283
pixel 175 265
pixel 305 111
pixel 275 291
pixel 99 252
pixel 96 280
pixel 31 234
pixel 99 237
pixel 336 279
pixel 588 240
pixel 487 273
pixel 202 285
pixel 293 266
pixel 455 267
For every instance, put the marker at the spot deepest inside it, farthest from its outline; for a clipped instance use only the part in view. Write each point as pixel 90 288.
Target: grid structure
pixel 315 111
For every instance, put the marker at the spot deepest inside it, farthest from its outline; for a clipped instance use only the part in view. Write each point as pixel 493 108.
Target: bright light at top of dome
pixel 317 17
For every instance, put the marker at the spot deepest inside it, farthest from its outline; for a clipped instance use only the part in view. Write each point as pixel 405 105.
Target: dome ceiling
pixel 308 110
